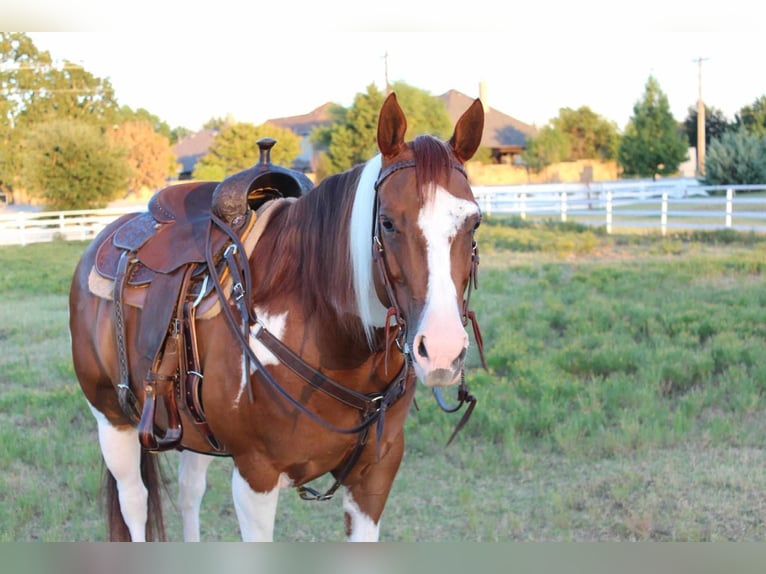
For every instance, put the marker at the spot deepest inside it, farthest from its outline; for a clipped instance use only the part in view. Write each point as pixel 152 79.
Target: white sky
pixel 258 61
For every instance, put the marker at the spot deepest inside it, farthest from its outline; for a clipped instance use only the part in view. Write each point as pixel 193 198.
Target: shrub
pixel 736 158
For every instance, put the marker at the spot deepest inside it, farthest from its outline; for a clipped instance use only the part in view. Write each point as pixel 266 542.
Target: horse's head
pixel 424 226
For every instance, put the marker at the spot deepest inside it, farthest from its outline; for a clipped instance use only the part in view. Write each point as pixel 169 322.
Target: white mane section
pixel 371 310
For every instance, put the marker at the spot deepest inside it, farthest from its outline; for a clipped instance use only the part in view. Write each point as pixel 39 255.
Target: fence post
pixel 609 212
pixel 22 230
pixel 488 199
pixel 523 199
pixel 563 206
pixel 664 216
pixel 729 197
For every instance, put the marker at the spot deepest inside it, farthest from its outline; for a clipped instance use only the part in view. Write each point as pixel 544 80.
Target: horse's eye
pixel 387 224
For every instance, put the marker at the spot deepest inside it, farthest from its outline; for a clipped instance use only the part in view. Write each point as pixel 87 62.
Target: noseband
pixel 394 312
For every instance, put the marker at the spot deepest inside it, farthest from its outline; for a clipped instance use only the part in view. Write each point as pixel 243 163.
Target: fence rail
pixel 659 205
pixel 666 205
pixel 23 227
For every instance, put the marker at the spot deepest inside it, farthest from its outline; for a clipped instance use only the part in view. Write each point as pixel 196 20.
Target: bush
pixel 736 158
pixel 70 165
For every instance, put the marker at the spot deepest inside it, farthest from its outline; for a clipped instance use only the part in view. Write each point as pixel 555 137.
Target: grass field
pixel 626 400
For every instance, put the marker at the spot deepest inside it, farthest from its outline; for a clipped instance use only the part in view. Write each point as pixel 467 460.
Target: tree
pixel 148 154
pixel 426 114
pixel 70 165
pixel 351 138
pixel 36 90
pixel 738 157
pixel 235 149
pixel 753 117
pixel 549 146
pixel 590 135
pixel 652 143
pixel 33 90
pixel 127 114
pixel 716 125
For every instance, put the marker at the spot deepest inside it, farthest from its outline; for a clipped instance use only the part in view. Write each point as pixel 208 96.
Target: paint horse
pixel 309 322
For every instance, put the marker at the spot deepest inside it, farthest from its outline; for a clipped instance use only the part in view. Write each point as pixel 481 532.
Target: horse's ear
pixel 467 135
pixel 391 127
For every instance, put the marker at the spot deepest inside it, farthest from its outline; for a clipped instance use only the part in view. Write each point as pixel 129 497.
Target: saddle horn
pixel 250 188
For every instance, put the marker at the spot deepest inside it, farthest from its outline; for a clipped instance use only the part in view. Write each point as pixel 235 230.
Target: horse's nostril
pixel 457 363
pixel 422 348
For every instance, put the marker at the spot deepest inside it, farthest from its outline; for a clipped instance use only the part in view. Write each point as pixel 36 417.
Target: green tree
pixel 549 146
pixel 235 149
pixel 70 165
pixel 652 144
pixel 716 125
pixel 753 117
pixel 426 114
pixel 590 135
pixel 737 157
pixel 33 90
pixel 352 137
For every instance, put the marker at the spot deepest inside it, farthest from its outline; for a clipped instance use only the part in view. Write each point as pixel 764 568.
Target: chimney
pixel 483 95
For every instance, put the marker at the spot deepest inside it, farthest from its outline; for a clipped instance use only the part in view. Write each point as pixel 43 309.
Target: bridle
pixel 394 312
pixel 373 406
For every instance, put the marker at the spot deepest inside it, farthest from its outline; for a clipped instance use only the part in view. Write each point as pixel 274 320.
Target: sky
pixel 188 63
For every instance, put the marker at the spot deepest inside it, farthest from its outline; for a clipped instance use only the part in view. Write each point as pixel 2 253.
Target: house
pixel 302 126
pixel 191 148
pixel 504 135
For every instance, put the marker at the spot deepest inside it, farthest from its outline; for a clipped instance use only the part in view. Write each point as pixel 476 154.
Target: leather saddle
pixel 164 253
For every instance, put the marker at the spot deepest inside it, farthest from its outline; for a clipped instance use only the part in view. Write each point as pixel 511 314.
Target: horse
pixel 353 292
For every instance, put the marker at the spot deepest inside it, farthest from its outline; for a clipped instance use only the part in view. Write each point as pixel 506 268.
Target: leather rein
pixel 372 406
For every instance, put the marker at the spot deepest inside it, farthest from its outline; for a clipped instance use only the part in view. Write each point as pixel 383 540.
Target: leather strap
pixel 127 400
pixel 192 384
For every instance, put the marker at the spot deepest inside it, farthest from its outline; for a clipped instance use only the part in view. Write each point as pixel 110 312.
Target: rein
pixel 372 407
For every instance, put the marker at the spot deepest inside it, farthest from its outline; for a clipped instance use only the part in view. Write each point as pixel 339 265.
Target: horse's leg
pixel 363 501
pixel 122 455
pixel 256 511
pixel 192 482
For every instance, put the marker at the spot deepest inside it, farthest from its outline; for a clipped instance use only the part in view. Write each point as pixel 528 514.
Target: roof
pixel 191 148
pixel 500 130
pixel 304 123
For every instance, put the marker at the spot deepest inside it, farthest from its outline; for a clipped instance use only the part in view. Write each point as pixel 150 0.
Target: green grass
pixel 625 400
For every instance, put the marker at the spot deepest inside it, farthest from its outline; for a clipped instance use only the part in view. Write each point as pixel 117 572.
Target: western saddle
pixel 161 258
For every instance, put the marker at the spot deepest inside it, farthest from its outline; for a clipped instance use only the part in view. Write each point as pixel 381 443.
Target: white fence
pixel 663 205
pixel 23 227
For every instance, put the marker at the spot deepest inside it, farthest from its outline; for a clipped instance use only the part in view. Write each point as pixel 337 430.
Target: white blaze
pixel 441 324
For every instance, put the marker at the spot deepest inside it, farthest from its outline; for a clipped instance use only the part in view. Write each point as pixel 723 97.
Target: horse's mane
pixel 328 234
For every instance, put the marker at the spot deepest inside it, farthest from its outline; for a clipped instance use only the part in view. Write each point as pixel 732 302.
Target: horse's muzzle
pixel 438 366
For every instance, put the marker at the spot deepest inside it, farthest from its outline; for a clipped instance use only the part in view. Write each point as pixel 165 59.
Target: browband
pixel 405 163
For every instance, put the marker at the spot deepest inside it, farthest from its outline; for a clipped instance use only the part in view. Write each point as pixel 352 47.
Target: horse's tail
pixel 151 473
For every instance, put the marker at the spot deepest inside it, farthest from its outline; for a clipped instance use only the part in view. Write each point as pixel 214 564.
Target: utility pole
pixel 700 122
pixel 385 65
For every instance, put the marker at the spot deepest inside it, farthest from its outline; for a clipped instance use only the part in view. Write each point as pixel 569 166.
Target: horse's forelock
pixel 432 163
